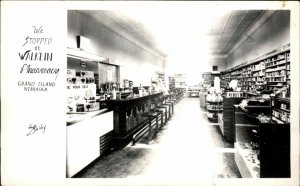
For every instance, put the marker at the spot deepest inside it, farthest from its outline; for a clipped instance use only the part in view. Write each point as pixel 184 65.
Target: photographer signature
pixel 33 128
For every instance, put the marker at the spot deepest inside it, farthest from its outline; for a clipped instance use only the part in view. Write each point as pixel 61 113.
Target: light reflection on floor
pixel 188 148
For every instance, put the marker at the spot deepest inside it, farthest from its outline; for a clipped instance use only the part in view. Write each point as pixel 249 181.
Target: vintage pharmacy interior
pixel 162 95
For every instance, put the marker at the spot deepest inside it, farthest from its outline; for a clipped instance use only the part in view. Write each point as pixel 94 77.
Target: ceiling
pixel 187 32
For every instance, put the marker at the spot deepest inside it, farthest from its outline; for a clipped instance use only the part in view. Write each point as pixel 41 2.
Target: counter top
pixel 117 102
pixel 76 117
pixel 135 98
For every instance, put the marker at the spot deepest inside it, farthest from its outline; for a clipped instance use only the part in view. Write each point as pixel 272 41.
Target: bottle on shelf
pixel 140 90
pixel 101 92
pixel 114 92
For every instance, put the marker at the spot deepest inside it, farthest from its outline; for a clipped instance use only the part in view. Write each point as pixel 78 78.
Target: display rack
pixel 172 84
pixel 180 80
pixel 224 79
pixel 207 78
pixel 277 70
pixel 270 71
pixel 213 109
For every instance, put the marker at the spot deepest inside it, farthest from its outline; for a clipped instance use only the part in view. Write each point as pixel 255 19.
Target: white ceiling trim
pixel 251 29
pixel 108 21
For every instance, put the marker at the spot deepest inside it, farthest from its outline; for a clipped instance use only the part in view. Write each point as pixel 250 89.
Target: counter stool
pixel 164 107
pixel 160 111
pixel 169 105
pixel 151 115
pixel 172 101
pixel 161 114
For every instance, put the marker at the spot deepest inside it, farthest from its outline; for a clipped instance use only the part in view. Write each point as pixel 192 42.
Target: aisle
pixel 189 147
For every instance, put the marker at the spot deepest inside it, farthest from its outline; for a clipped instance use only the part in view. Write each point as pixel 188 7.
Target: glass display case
pixel 262 146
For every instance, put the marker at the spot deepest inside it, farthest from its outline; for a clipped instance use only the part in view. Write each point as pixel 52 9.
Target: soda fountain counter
pixel 128 115
pixel 89 128
pixel 91 133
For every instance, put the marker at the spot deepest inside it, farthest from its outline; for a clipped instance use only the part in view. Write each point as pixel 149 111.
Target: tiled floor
pixel 189 147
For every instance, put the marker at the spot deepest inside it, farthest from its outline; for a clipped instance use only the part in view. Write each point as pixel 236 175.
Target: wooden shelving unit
pixel 270 71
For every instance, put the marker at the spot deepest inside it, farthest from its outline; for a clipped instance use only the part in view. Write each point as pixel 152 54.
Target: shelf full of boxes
pixel 268 72
pixel 180 80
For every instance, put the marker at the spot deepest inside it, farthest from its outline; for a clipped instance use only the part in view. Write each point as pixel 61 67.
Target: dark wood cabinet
pixel 226 120
pixel 274 142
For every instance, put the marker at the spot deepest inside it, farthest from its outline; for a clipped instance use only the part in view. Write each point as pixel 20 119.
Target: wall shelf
pixel 274 76
pixel 277 81
pixel 275 60
pixel 276 85
pixel 274 70
pixel 257 70
pixel 264 64
pixel 278 64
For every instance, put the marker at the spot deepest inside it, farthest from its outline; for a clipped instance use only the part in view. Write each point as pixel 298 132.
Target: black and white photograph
pixel 150 93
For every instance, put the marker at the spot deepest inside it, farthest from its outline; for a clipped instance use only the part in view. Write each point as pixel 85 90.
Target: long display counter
pixel 88 136
pixel 128 115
